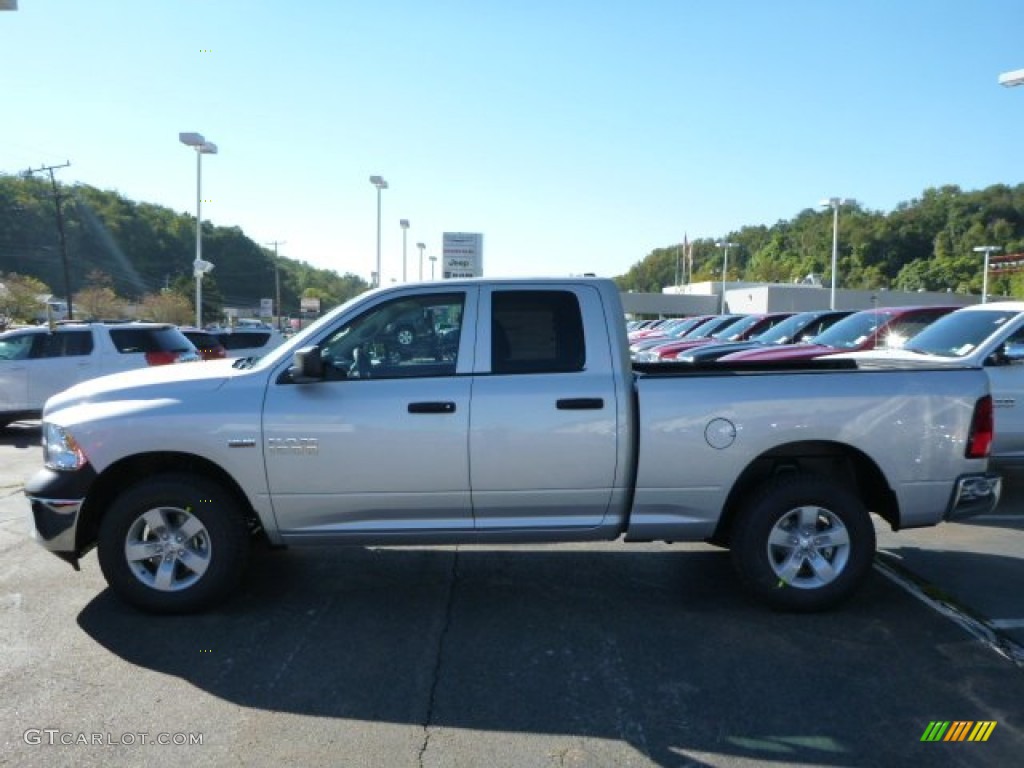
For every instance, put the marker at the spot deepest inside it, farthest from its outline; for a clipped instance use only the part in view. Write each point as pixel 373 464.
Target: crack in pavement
pixel 454 576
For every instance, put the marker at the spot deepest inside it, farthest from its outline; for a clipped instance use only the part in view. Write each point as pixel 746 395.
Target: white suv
pixel 38 362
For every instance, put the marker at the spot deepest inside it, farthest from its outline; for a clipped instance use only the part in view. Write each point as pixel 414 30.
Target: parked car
pixel 989 336
pixel 247 341
pixel 37 362
pixel 868 329
pixel 800 328
pixel 208 345
pixel 648 354
pixel 677 331
pixel 741 330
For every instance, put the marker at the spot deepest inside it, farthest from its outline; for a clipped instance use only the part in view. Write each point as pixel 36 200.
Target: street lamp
pixel 725 265
pixel 432 260
pixel 421 246
pixel 834 203
pixel 277 282
pixel 1010 79
pixel 987 250
pixel 380 184
pixel 199 267
pixel 404 224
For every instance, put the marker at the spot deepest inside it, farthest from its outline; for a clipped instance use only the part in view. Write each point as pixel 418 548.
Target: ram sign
pixel 463 255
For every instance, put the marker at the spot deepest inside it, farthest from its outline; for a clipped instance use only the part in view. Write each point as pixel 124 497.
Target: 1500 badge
pixel 293 446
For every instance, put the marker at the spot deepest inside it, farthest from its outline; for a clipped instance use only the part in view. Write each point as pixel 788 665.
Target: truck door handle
pixel 441 407
pixel 581 404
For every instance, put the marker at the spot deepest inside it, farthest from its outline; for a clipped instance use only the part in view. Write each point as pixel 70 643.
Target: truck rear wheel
pixel 803 543
pixel 174 543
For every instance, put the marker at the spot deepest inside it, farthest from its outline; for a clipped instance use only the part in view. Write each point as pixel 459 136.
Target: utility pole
pixel 277 281
pixel 60 229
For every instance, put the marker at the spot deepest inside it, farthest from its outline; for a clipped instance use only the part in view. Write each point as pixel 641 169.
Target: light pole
pixel 421 246
pixel 277 282
pixel 432 260
pixel 987 250
pixel 834 203
pixel 725 265
pixel 199 267
pixel 404 224
pixel 380 184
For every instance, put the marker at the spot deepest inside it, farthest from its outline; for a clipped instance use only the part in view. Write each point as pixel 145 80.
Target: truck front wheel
pixel 174 543
pixel 803 543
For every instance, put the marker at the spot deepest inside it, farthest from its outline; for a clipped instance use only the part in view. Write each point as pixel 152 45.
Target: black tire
pixel 803 543
pixel 197 536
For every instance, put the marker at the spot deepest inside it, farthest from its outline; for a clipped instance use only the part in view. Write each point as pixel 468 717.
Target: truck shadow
pixel 654 649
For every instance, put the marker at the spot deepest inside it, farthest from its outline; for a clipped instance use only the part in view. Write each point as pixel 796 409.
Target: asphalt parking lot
pixel 603 654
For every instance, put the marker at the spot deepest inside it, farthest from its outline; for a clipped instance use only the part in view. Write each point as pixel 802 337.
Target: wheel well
pixel 840 463
pixel 129 471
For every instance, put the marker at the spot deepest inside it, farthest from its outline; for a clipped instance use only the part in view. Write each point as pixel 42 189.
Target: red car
pixel 868 329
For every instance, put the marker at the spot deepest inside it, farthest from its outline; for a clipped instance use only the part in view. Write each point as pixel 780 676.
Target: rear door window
pixel 536 332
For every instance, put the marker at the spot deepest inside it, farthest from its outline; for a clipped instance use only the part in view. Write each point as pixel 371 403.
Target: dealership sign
pixel 463 254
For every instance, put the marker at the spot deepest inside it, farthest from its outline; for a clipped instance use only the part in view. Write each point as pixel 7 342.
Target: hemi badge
pixel 245 442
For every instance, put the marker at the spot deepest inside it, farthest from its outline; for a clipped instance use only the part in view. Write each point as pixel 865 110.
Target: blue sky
pixel 577 136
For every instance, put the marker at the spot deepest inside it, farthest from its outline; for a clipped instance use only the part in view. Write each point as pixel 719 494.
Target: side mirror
pixel 1013 352
pixel 307 366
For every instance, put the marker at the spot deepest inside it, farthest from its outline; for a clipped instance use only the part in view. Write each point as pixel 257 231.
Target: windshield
pixel 853 331
pixel 736 329
pixel 958 334
pixel 704 330
pixel 782 332
pixel 684 327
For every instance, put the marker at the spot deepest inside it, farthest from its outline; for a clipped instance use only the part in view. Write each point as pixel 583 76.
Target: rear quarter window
pixel 139 340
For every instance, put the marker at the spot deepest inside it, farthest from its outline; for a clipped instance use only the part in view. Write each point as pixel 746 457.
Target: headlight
pixel 60 450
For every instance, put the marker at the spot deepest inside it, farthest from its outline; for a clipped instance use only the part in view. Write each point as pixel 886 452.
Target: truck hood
pixel 156 383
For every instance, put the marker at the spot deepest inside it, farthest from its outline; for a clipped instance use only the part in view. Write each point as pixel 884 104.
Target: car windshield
pixel 737 328
pixel 711 326
pixel 958 334
pixel 851 332
pixel 781 333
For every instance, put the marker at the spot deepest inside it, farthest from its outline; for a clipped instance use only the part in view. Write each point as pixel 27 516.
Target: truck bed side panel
pixel 699 432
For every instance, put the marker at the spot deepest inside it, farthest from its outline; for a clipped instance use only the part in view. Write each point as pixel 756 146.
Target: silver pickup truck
pixel 513 416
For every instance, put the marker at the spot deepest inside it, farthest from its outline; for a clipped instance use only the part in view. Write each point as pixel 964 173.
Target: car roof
pixel 1006 306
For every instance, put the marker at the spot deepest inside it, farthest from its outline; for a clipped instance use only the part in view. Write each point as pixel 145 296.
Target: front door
pixel 380 445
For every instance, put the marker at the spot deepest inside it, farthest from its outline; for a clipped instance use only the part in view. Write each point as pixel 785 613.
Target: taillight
pixel 161 358
pixel 979 439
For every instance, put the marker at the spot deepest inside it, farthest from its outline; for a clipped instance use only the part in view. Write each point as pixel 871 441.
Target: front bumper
pixel 56 499
pixel 974 495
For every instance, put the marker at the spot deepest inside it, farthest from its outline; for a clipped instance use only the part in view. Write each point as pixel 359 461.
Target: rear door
pixel 543 435
pixel 58 361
